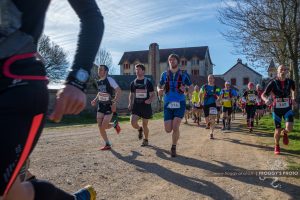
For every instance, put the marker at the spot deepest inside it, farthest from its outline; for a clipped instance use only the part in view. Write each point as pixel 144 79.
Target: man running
pixel 209 94
pixel 172 85
pixel 282 90
pixel 108 96
pixel 197 107
pixel 23 75
pixel 140 98
pixel 227 97
pixel 250 99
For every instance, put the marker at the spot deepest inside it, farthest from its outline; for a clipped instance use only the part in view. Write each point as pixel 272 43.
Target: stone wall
pixel 121 107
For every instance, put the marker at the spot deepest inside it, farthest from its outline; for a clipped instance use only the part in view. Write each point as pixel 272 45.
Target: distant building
pixel 272 70
pixel 240 75
pixel 195 60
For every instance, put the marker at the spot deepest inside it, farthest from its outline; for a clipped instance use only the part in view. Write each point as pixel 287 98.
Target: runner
pixel 172 85
pixel 197 107
pixel 282 90
pixel 23 75
pixel 227 97
pixel 209 94
pixel 140 98
pixel 250 99
pixel 108 96
pixel 260 104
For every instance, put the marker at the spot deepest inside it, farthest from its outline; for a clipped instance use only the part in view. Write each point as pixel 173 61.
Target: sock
pixel 174 146
pixel 223 122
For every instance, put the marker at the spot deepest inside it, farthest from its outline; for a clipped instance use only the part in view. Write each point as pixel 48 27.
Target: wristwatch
pixel 78 78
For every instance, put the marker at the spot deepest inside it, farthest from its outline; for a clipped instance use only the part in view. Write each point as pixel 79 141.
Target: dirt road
pixel 70 158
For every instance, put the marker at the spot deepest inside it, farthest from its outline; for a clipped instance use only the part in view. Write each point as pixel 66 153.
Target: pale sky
pixel 131 25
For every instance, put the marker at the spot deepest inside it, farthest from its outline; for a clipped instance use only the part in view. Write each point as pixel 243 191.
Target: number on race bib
pixel 174 105
pixel 140 94
pixel 103 96
pixel 282 103
pixel 252 97
pixel 213 111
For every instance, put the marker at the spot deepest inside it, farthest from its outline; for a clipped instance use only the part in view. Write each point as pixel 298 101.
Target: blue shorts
pixel 171 113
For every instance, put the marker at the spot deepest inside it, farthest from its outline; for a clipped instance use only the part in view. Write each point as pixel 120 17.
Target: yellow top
pixel 195 97
pixel 226 101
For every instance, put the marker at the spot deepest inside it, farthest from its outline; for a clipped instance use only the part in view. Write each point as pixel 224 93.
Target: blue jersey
pixel 210 93
pixel 173 94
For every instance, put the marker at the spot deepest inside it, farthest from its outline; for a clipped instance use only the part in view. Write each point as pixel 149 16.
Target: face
pixel 250 86
pixel 211 79
pixel 282 71
pixel 173 62
pixel 139 71
pixel 102 72
pixel 227 86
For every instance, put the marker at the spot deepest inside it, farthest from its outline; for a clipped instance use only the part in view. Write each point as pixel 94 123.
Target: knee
pixel 289 128
pixel 168 129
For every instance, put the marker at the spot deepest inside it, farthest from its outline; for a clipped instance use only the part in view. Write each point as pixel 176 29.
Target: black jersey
pixel 141 89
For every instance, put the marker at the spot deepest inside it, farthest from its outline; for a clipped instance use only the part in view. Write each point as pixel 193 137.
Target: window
pixel 245 81
pixel 195 71
pixel 126 66
pixel 198 61
pixel 126 73
pixel 233 81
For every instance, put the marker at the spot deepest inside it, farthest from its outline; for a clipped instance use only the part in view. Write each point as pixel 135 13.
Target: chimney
pixel 239 60
pixel 153 60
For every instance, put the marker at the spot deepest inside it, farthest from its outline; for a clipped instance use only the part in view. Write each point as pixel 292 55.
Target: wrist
pixel 78 78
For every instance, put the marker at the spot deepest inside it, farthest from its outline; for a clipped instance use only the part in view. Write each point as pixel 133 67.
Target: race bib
pixel 197 104
pixel 140 93
pixel 252 97
pixel 213 111
pixel 282 103
pixel 174 105
pixel 104 96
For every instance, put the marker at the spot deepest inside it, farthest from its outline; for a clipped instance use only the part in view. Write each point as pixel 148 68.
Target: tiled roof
pixel 245 67
pixel 187 52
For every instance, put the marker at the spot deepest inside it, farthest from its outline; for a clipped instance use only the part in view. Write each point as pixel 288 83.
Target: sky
pixel 132 25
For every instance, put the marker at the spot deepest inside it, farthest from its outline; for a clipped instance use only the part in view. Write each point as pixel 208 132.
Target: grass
pixel 89 118
pixel 267 126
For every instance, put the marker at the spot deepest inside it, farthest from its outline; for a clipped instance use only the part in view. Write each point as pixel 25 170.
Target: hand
pixel 182 88
pixel 129 107
pixel 114 107
pixel 148 101
pixel 160 92
pixel 69 100
pixel 268 102
pixel 94 102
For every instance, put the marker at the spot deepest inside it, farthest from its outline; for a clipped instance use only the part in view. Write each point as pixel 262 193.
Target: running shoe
pixel 86 193
pixel 144 143
pixel 285 137
pixel 140 135
pixel 211 136
pixel 277 150
pixel 117 126
pixel 173 152
pixel 106 147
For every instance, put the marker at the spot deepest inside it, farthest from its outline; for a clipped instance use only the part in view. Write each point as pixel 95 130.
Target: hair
pixel 104 66
pixel 174 56
pixel 140 66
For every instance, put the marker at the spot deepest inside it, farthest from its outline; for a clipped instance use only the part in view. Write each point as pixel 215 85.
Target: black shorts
pixel 104 108
pixel 264 106
pixel 142 110
pixel 206 109
pixel 285 113
pixel 227 109
pixel 250 110
pixel 187 107
pixel 218 108
pixel 259 107
pixel 22 115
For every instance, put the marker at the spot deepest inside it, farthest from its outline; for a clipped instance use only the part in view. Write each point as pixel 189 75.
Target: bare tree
pixel 103 57
pixel 264 30
pixel 54 58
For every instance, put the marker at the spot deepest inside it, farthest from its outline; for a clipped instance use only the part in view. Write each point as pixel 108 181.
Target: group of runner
pixel 22 74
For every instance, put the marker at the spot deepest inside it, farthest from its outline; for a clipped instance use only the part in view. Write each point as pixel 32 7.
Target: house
pixel 240 75
pixel 195 60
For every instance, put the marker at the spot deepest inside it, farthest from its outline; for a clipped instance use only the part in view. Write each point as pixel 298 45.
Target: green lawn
pixel 89 118
pixel 266 125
